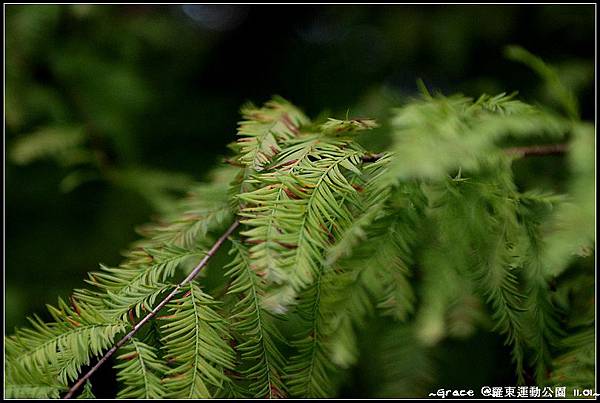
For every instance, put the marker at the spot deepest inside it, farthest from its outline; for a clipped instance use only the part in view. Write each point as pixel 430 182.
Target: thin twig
pixel 371 157
pixel 526 151
pixel 158 307
pixel 545 149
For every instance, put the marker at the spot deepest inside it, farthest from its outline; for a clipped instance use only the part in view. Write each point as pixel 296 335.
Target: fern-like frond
pixel 575 367
pixel 170 243
pixel 478 229
pixel 63 143
pixel 498 276
pixel 137 282
pixel 378 272
pixel 396 237
pixel 258 336
pixel 369 206
pixel 343 127
pixel 571 231
pixel 206 208
pixel 369 275
pixel 140 369
pixel 29 383
pixel 441 287
pixel 543 325
pixel 97 315
pixel 62 347
pixel 562 94
pixel 289 215
pixel 395 364
pixel 264 128
pixel 338 302
pixel 495 267
pixel 31 391
pixel 437 136
pixel 195 342
pixel 307 373
pixel 346 303
pixel 87 392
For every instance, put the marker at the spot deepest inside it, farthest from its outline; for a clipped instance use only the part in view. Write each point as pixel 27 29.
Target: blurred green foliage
pixel 113 111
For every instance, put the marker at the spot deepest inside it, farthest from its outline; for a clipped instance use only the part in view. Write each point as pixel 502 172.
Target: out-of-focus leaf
pixel 61 143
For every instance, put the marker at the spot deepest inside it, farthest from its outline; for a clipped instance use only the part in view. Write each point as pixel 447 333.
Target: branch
pixel 526 151
pixel 546 149
pixel 371 157
pixel 150 315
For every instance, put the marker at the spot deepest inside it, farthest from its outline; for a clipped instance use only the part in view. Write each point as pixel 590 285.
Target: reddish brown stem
pixel 546 149
pixel 525 151
pixel 150 315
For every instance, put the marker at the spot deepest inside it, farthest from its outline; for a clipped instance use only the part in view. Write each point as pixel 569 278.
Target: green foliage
pixel 558 90
pixel 140 370
pixel 575 367
pixel 264 129
pixel 61 143
pixel 438 135
pixel 260 357
pixel 31 383
pixel 572 230
pixel 434 236
pixel 87 392
pixel 195 341
pixel 59 349
pixel 397 364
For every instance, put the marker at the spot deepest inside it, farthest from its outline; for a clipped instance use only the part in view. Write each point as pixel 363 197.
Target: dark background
pixel 160 87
